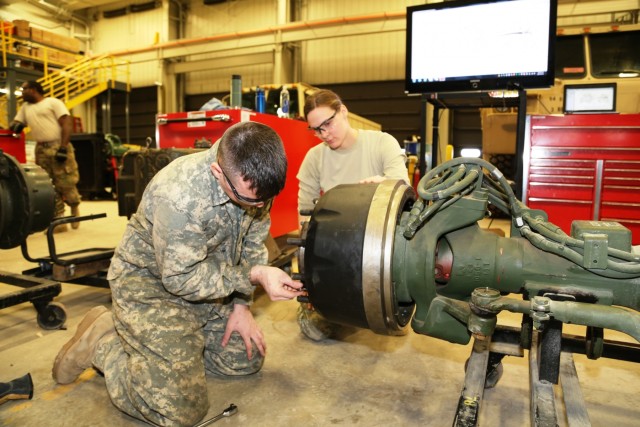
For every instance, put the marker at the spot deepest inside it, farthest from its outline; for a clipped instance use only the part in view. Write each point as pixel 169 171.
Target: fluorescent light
pixel 470 152
pixel 503 94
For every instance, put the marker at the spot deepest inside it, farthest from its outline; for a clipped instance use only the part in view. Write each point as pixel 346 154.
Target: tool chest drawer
pixel 584 167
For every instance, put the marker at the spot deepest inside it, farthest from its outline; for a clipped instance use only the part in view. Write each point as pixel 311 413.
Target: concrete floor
pixel 358 379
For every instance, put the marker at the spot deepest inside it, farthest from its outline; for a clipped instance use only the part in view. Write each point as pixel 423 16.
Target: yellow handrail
pixel 74 81
pixel 84 75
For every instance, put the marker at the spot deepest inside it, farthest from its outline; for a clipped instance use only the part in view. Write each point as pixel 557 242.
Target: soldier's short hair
pixel 35 86
pixel 255 151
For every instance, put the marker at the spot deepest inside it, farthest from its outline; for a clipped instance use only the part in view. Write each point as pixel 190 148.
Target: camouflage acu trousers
pixel 64 176
pixel 155 366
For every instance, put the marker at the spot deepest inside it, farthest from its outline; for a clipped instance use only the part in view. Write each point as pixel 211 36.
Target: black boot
pixel 20 388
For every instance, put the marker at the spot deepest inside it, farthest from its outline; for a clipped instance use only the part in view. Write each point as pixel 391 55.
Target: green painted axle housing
pixel 361 269
pixel 451 257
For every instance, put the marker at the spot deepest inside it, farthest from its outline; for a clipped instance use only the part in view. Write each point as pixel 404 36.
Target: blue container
pixel 411 147
pixel 260 101
pixel 284 102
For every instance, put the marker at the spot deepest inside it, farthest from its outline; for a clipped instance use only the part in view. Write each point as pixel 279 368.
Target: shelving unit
pixel 54 60
pixel 40 46
pixel 28 54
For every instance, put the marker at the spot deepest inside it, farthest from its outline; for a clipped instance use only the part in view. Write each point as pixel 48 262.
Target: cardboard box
pixel 21 23
pixel 21 28
pixel 24 50
pixel 59 41
pixel 24 33
pixel 37 52
pixel 52 39
pixel 499 132
pixel 36 35
pixel 52 55
pixel 47 37
pixel 66 58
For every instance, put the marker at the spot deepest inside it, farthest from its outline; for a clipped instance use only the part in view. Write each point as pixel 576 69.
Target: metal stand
pixel 547 347
pixel 40 292
pixel 543 404
pixel 474 382
pixel 84 266
pixel 573 400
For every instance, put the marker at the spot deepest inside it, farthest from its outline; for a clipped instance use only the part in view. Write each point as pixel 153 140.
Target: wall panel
pixel 229 17
pixel 225 18
pixel 133 30
pixel 219 80
pixel 334 8
pixel 353 59
pixel 372 57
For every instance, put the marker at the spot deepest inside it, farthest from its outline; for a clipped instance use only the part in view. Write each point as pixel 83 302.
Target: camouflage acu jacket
pixel 190 237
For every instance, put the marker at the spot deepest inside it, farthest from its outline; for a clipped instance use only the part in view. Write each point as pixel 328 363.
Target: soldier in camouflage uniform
pixel 182 281
pixel 51 126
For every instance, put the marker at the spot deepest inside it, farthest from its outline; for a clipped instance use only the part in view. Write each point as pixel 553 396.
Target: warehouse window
pixel 615 54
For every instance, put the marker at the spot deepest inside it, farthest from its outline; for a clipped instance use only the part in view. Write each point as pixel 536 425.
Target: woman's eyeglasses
pixel 324 125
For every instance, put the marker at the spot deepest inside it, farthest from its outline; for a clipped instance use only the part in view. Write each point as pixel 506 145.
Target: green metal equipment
pixel 376 256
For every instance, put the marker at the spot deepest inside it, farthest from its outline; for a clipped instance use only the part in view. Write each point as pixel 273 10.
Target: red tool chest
pixel 584 167
pixel 13 146
pixel 183 130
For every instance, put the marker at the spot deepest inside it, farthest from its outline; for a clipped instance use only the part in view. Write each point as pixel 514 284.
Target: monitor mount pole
pixel 520 136
pixel 423 167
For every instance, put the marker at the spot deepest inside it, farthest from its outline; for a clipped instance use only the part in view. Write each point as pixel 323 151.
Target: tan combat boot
pixel 76 355
pixel 313 325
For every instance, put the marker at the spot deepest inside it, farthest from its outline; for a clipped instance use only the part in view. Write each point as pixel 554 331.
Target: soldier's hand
pixel 16 128
pixel 242 321
pixel 278 284
pixel 61 155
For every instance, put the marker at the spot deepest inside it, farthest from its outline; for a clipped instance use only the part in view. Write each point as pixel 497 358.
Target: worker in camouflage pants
pixel 182 281
pixel 51 125
pixel 64 174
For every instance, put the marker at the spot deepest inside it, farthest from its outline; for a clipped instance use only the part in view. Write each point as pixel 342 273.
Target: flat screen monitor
pixel 480 45
pixel 590 98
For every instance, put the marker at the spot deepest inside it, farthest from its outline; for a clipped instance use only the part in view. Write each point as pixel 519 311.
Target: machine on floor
pixel 424 263
pixel 27 206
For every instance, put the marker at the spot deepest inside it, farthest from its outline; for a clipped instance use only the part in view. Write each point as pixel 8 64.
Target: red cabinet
pixel 584 167
pixel 13 146
pixel 183 130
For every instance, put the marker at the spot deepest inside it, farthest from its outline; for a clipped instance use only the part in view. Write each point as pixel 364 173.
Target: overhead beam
pixel 221 62
pixel 271 36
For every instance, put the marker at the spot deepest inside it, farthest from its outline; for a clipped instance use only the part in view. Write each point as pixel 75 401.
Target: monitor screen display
pixel 590 98
pixel 469 45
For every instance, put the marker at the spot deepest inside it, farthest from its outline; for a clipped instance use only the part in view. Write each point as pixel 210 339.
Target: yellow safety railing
pixel 75 83
pixel 81 81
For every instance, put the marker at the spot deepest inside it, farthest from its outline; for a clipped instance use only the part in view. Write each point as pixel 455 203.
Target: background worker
pixel 345 156
pixel 51 127
pixel 182 281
